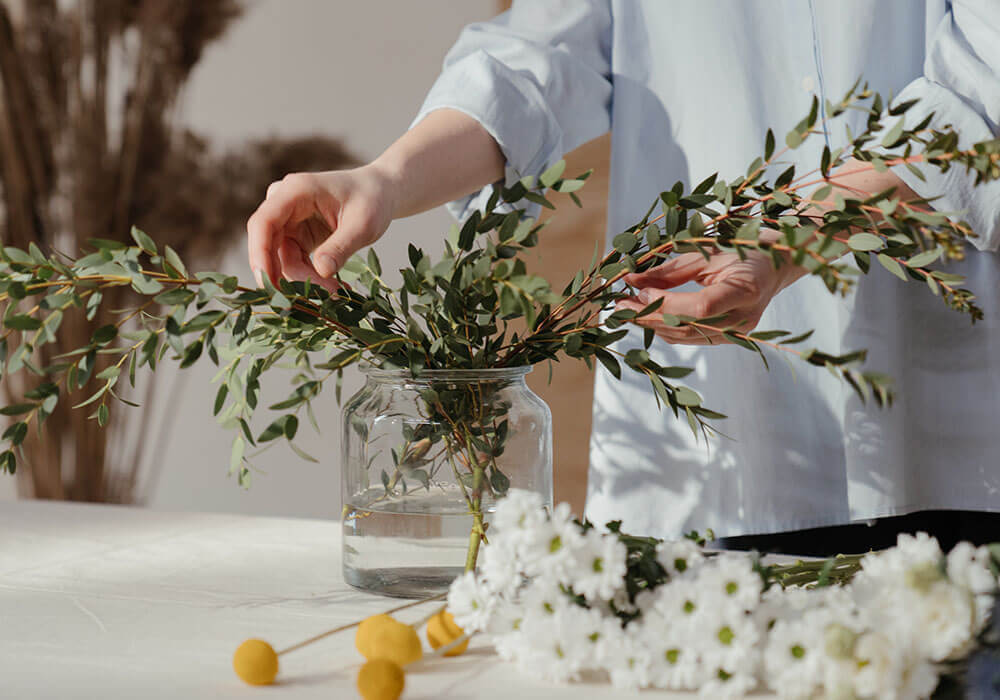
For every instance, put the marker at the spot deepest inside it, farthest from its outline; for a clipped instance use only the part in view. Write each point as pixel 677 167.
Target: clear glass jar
pixel 424 460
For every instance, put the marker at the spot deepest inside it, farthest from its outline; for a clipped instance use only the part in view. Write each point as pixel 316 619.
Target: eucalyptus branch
pixel 459 311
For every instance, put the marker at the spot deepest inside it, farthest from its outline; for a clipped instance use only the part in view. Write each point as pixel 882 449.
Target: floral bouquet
pixel 564 599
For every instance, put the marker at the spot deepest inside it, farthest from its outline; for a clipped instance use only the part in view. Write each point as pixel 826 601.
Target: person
pixel 689 88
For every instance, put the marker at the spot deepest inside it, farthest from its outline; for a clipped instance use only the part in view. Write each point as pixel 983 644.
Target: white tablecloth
pixel 114 602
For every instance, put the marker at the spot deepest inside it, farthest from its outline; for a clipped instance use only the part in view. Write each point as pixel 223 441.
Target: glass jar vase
pixel 425 459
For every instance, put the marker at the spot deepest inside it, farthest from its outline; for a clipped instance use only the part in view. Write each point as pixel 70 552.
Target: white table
pixel 116 602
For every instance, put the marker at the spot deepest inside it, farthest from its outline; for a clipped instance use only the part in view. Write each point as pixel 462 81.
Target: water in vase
pixel 411 547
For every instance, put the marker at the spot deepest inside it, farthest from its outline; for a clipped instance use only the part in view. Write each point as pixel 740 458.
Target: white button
pixel 808 84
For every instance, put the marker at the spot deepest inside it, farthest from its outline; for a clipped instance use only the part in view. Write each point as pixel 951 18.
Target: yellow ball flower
pixel 442 630
pixel 380 679
pixel 382 637
pixel 255 662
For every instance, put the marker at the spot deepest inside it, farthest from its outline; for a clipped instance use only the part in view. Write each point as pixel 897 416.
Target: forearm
pixel 445 156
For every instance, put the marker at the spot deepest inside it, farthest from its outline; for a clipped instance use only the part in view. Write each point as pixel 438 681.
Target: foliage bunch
pixel 477 306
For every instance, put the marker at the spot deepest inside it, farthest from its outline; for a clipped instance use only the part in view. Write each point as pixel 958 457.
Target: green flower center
pixel 726 635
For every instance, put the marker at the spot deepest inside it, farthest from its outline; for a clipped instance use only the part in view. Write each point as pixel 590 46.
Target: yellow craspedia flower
pixel 382 637
pixel 380 679
pixel 442 630
pixel 255 662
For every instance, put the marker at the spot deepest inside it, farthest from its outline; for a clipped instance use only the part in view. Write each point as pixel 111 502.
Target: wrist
pixel 788 272
pixel 388 182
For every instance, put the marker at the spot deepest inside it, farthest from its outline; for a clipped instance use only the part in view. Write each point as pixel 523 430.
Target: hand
pixel 309 224
pixel 739 289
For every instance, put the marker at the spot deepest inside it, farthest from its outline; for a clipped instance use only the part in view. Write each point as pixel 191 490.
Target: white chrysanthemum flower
pixel 912 553
pixel 599 566
pixel 674 661
pixel 624 656
pixel 944 616
pixel 777 603
pixel 543 597
pixel 470 602
pixel 559 556
pixel 505 618
pixel 518 512
pixel 499 567
pixel 731 579
pixel 556 647
pixel 727 640
pixel 969 566
pixel 679 556
pixel 677 600
pixel 793 658
pixel 892 669
pixel 510 644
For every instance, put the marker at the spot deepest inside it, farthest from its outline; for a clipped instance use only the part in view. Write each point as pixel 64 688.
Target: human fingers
pixel 711 300
pixel 295 265
pixel 289 202
pixel 360 225
pixel 673 273
pixel 677 335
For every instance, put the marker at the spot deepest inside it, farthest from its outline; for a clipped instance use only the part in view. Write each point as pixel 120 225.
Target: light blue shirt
pixel 688 88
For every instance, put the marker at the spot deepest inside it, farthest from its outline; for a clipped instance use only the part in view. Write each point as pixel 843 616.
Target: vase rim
pixel 486 374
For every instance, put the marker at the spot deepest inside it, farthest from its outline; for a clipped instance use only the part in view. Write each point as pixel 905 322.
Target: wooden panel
pixel 567 245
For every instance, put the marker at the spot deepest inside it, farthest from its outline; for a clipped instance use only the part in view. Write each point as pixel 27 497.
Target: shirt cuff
pixel 955 191
pixel 511 108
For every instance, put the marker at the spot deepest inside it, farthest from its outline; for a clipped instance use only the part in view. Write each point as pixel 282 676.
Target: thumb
pixel 354 231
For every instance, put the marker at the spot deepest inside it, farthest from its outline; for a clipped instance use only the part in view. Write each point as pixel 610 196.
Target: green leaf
pixel 102 415
pixel 925 258
pixel 16 433
pixel 8 462
pixel 306 456
pixel 104 334
pixel 178 296
pixel 893 135
pixel 863 242
pixel 146 285
pixel 892 266
pixel 769 145
pixel 686 397
pixel 16 409
pixel 22 322
pixel 285 426
pixel 569 186
pixel 539 199
pixel 794 139
pixel 144 241
pixel 552 174
pixel 172 264
pixel 191 354
pixel 236 454
pixel 220 399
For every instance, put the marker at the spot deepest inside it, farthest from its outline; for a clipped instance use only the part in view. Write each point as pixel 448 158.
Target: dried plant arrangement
pixel 83 156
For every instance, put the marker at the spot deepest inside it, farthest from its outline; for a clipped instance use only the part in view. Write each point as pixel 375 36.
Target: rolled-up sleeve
pixel 536 77
pixel 961 86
